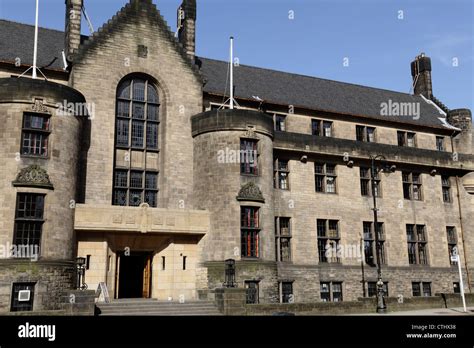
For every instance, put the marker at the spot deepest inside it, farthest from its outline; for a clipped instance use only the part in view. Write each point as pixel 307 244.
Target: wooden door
pixel 147 277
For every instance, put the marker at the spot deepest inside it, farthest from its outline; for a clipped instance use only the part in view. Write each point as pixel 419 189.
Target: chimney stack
pixel 72 38
pixel 187 27
pixel 421 74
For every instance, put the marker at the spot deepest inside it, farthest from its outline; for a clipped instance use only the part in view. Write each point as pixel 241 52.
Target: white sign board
pixel 102 290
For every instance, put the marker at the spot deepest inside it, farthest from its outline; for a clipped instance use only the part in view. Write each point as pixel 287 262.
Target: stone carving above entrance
pixel 33 176
pixel 250 192
pixel 39 107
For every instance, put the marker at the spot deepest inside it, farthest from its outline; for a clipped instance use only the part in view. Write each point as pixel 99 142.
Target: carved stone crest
pixel 251 132
pixel 250 192
pixel 33 176
pixel 39 107
pixel 142 51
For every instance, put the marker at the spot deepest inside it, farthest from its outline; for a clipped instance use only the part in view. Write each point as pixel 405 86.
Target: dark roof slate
pixel 313 93
pixel 16 40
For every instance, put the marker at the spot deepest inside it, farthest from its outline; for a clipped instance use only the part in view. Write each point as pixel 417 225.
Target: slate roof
pixel 16 40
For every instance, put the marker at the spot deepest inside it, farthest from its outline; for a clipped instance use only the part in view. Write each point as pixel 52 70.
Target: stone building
pixel 126 158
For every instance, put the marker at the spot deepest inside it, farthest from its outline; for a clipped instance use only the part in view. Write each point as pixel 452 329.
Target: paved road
pixel 432 311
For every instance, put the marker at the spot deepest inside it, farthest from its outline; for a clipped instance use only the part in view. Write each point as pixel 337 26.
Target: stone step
pixel 158 308
pixel 161 314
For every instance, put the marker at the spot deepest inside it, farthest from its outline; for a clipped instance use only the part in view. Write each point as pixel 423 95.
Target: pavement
pixel 431 311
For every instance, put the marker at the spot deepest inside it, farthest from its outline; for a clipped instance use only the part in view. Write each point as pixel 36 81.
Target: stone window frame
pixel 330 291
pixel 281 234
pixel 403 139
pixel 409 185
pixel 245 168
pixel 318 127
pixel 324 175
pixel 252 297
pixel 252 231
pixel 440 143
pixel 372 289
pixel 148 97
pixel 286 297
pixel 35 131
pixel 369 239
pixel 362 133
pixel 15 304
pixel 452 238
pixel 418 288
pixel 279 122
pixel 415 243
pixel 327 238
pixel 446 189
pixel 281 174
pixel 35 220
pixel 366 184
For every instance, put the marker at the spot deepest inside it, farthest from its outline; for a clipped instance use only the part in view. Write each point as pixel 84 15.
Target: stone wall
pixel 112 52
pixel 53 272
pixel 51 279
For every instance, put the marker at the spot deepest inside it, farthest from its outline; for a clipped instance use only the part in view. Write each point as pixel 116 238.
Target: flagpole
pixel 231 72
pixel 35 51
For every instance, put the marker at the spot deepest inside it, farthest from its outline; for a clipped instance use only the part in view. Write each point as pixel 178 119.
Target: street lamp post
pixel 381 306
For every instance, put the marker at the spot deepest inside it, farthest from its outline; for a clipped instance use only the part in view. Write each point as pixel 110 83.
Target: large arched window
pixel 136 143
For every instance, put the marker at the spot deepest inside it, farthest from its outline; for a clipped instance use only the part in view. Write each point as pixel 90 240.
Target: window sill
pixel 35 157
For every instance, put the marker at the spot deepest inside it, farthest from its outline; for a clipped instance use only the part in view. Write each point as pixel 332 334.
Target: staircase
pixel 152 307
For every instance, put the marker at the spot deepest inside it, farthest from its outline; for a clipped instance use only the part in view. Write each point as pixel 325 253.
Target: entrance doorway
pixel 134 275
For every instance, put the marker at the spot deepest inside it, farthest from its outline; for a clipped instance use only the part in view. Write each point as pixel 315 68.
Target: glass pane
pixel 360 133
pixel 327 128
pixel 364 172
pixel 122 132
pixel 137 134
pixel 36 122
pixel 401 138
pixel 330 184
pixel 151 181
pixel 120 197
pixel 319 168
pixel 152 135
pixel 315 126
pixel 330 169
pixel 321 228
pixel 135 198
pixel 150 198
pixel 124 90
pixel 138 110
pixel 139 90
pixel 35 144
pixel 152 95
pixel 136 179
pixel 121 178
pixel 152 112
pixel 333 229
pixel 370 134
pixel 123 108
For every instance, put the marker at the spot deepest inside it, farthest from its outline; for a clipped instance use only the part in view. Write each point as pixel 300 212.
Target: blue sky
pixel 378 40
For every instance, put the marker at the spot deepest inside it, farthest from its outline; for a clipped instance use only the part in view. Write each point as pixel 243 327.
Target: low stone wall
pixel 51 279
pixel 364 305
pixel 78 302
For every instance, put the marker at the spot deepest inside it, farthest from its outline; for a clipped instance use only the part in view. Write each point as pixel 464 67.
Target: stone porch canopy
pixel 143 219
